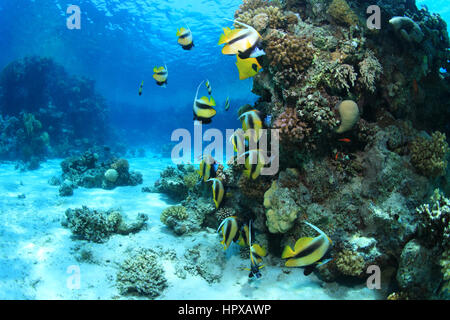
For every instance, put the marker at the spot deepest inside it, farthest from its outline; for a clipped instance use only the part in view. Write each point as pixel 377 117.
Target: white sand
pixel 36 251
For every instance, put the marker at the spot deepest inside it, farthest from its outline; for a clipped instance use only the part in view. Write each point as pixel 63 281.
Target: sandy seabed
pixel 37 253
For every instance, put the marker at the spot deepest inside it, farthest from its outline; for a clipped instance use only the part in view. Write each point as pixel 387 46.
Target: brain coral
pixel 142 274
pixel 111 175
pixel 428 156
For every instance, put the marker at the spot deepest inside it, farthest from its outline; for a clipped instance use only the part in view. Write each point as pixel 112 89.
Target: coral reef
pixel 177 182
pixel 69 109
pixel 97 225
pixel 88 172
pixel 142 274
pixel 429 156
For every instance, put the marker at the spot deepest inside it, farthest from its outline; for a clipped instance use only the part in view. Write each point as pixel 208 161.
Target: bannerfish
pixel 244 42
pixel 227 104
pixel 244 239
pixel 141 87
pixel 247 67
pixel 254 162
pixel 208 86
pixel 229 228
pixel 203 108
pixel 256 254
pixel 185 38
pixel 308 252
pixel 218 191
pixel 207 168
pixel 160 75
pixel 238 141
pixel 251 120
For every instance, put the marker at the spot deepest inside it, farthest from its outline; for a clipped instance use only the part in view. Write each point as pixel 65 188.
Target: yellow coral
pixel 190 179
pixel 429 156
pixel 341 12
pixel 350 263
pixel 178 212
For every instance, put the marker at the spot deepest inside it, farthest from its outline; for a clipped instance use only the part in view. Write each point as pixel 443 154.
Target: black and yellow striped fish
pixel 308 252
pixel 185 38
pixel 208 86
pixel 254 162
pixel 141 87
pixel 218 191
pixel 244 239
pixel 256 254
pixel 229 229
pixel 203 108
pixel 247 67
pixel 160 75
pixel 207 168
pixel 238 141
pixel 245 42
pixel 252 124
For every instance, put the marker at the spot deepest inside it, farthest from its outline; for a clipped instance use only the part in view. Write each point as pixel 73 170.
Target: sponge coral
pixel 341 12
pixel 428 156
pixel 349 113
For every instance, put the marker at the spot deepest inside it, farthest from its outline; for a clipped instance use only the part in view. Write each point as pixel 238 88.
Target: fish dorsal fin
pixel 302 243
pixel 204 100
pixel 196 94
pixel 181 31
pixel 212 102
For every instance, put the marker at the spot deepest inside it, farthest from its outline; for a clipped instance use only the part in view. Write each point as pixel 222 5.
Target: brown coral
pixel 288 52
pixel 341 13
pixel 262 17
pixel 252 189
pixel 428 156
pixel 292 129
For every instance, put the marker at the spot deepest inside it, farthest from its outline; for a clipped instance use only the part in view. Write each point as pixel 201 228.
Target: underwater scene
pixel 224 150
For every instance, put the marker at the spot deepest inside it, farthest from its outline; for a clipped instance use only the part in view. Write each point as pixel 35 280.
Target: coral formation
pixel 98 225
pixel 281 209
pixel 349 113
pixel 370 70
pixel 341 12
pixel 407 29
pixel 350 263
pixel 88 172
pixel 429 156
pixel 142 274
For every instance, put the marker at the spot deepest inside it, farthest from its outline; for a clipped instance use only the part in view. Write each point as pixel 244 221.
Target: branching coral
pixel 341 12
pixel 350 263
pixel 428 156
pixel 142 274
pixel 436 219
pixel 224 212
pixel 370 70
